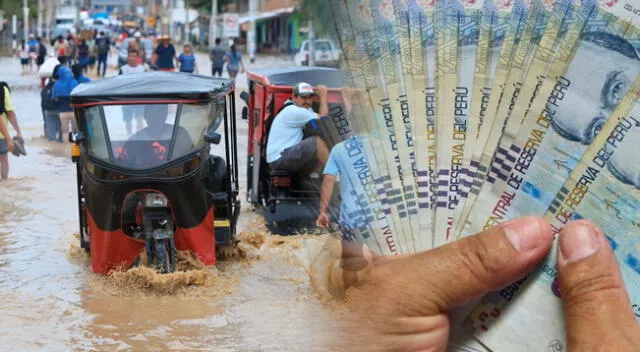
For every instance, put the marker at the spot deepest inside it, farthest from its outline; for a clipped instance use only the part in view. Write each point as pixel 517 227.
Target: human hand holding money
pixel 403 302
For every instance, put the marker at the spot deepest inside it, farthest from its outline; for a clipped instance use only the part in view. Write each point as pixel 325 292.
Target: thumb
pixel 459 272
pixel 593 292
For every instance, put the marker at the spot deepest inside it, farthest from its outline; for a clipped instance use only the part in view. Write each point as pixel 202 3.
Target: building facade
pixel 278 25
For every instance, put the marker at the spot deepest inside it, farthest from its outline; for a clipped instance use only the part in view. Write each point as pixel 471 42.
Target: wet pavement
pixel 51 300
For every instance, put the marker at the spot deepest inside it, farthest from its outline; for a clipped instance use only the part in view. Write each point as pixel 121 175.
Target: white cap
pixel 137 35
pixel 303 89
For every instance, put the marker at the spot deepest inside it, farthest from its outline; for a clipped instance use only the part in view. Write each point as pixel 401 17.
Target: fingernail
pixel 524 233
pixel 577 242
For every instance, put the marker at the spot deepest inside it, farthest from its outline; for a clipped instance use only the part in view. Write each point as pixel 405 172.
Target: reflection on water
pixel 258 297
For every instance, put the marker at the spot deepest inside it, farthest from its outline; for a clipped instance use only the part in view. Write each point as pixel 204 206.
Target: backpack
pixel 2 85
pixel 42 50
pixel 103 46
pixel 46 97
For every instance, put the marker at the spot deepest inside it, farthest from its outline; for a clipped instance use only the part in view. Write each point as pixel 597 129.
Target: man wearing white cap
pixel 286 150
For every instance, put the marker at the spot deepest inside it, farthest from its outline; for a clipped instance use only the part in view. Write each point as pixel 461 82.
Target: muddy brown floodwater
pixel 258 300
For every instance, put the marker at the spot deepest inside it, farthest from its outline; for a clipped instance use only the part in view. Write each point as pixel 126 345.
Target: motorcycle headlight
pixel 155 200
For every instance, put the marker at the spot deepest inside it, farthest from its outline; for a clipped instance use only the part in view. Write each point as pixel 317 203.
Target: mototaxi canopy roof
pixel 290 76
pixel 150 87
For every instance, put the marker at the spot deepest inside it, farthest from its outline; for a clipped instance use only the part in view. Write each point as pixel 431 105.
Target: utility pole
pixel 165 17
pixel 39 24
pixel 213 24
pixel 25 26
pixel 251 35
pixel 14 28
pixel 187 27
pixel 49 17
pixel 312 45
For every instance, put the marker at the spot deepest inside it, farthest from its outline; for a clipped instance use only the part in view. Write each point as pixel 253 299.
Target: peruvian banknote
pixel 361 72
pixel 531 61
pixel 601 66
pixel 456 55
pixel 395 106
pixel 493 25
pixel 411 20
pixel 424 10
pixel 605 188
pixel 512 33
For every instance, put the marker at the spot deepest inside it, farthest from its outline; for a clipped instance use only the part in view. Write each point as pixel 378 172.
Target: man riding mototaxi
pixel 286 148
pixel 149 147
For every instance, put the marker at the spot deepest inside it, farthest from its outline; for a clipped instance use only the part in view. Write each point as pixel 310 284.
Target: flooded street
pixel 51 300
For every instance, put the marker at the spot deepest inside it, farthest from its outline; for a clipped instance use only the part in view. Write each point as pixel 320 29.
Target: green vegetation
pixel 14 7
pixel 321 18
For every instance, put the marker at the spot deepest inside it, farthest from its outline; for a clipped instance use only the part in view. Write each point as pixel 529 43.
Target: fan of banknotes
pixel 474 112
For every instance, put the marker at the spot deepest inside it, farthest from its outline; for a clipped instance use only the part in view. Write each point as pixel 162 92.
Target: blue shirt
pixel 165 56
pixel 83 79
pixel 348 161
pixel 64 104
pixel 234 59
pixel 286 130
pixel 33 44
pixel 187 62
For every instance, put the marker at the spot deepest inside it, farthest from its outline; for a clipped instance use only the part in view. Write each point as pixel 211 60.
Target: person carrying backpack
pixel 52 125
pixel 7 115
pixel 102 47
pixel 42 54
pixel 65 83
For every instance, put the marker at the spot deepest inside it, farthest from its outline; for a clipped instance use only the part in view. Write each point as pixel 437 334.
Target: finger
pixel 593 292
pixel 451 275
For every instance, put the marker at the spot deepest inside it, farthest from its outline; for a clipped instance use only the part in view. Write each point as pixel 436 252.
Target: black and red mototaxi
pixel 290 201
pixel 146 176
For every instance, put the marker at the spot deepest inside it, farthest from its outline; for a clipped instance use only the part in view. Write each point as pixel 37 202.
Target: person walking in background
pixel 234 62
pixel 61 92
pixel 91 43
pixel 32 44
pixel 62 50
pixel 6 115
pixel 52 126
pixel 82 55
pixel 129 112
pixel 164 55
pixel 187 60
pixel 77 74
pixel 23 52
pixel 217 55
pixel 102 48
pixel 42 54
pixel 73 46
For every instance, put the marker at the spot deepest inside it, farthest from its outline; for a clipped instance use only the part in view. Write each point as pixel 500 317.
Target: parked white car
pixel 326 54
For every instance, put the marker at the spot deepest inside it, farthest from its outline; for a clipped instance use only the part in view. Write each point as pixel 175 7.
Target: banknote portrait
pixel 604 67
pixel 625 163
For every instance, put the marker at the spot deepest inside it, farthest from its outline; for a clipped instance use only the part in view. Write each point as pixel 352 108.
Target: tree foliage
pixel 14 7
pixel 205 5
pixel 320 16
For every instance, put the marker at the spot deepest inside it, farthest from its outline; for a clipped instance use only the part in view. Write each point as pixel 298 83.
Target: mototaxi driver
pixel 150 146
pixel 286 148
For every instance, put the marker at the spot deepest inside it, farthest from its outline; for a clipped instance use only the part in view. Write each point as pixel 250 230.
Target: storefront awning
pixel 267 15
